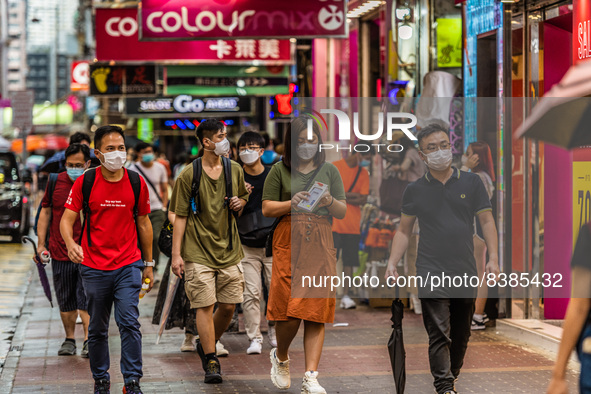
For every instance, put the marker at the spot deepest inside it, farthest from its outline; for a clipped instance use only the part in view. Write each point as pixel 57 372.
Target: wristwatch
pixel 149 263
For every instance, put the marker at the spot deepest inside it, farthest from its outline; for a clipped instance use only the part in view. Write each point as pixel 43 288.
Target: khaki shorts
pixel 205 286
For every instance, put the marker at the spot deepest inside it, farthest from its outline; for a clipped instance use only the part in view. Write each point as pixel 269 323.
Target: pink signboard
pixel 232 19
pixel 117 39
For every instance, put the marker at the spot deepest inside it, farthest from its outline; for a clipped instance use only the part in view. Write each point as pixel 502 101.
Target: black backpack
pixel 88 183
pixel 50 188
pixel 196 200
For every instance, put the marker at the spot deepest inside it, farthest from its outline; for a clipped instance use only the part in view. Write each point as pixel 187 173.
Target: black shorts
pixel 348 247
pixel 69 289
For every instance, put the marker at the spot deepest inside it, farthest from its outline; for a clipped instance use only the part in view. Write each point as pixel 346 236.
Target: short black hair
pixel 77 148
pixel 208 128
pixel 103 131
pixel 251 137
pixel 428 130
pixel 142 145
pixel 78 137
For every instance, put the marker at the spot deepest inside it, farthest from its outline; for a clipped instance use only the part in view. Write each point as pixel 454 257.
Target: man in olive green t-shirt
pixel 201 243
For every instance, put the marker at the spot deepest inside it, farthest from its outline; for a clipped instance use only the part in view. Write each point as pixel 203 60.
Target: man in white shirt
pixel 155 176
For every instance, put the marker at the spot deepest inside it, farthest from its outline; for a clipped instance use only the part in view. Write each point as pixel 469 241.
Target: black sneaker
pixel 213 372
pixel 201 353
pixel 102 386
pixel 133 387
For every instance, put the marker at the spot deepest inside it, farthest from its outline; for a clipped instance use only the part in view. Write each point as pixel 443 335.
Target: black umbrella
pixel 563 115
pixel 41 269
pixel 396 346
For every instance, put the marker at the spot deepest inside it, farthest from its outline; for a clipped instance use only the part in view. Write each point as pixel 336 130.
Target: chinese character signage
pixel 231 19
pixel 449 42
pixel 107 80
pixel 188 106
pixel 117 39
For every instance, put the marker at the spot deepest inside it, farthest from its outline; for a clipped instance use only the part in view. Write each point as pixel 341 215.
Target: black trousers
pixel 448 322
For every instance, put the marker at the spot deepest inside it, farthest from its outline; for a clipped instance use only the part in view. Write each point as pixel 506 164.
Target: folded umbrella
pixel 41 270
pixel 396 346
pixel 173 284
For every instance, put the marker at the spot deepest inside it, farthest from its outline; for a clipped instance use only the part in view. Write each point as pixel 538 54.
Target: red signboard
pixel 117 39
pixel 80 76
pixel 231 19
pixel 581 30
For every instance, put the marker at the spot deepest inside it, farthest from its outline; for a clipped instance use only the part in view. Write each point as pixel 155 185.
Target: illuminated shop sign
pixel 188 105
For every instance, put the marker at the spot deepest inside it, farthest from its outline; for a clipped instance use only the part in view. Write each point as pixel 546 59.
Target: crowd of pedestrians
pixel 246 230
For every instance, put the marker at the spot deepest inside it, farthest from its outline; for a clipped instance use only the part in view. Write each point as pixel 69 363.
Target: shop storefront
pixel 533 46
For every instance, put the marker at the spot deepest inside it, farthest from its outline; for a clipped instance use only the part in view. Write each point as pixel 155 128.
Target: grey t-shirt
pixel 156 175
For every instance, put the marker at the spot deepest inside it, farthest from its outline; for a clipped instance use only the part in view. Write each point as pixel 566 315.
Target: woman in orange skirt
pixel 303 251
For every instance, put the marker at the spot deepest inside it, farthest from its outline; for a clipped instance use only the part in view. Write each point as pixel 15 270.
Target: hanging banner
pixel 117 40
pixel 581 30
pixel 231 19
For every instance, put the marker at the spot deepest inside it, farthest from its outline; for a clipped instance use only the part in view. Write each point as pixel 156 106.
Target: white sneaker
pixel 256 346
pixel 220 350
pixel 272 336
pixel 310 384
pixel 347 303
pixel 188 344
pixel 416 304
pixel 279 371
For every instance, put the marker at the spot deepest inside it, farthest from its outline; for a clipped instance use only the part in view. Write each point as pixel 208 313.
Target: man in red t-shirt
pixel 111 261
pixel 66 275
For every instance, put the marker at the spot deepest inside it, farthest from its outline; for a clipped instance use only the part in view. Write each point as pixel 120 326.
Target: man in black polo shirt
pixel 445 201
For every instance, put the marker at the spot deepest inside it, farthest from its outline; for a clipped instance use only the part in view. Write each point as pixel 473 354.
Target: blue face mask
pixel 148 157
pixel 74 173
pixel 364 163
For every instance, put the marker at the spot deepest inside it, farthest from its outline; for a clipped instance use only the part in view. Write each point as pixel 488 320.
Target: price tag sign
pixel 581 196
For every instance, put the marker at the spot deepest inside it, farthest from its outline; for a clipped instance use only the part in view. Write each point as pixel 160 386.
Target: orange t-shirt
pixel 350 224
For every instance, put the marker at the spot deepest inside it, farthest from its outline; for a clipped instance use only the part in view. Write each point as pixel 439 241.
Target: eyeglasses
pixel 433 147
pixel 75 166
pixel 243 148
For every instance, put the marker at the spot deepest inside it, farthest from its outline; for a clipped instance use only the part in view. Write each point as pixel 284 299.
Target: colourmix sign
pixel 117 40
pixel 231 19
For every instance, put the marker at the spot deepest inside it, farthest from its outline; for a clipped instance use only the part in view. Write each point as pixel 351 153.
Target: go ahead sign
pixel 231 19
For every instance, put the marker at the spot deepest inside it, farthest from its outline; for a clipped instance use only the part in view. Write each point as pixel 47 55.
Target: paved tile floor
pixel 355 358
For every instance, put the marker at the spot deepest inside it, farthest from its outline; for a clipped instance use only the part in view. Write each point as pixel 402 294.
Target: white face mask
pixel 439 160
pixel 307 151
pixel 221 148
pixel 249 156
pixel 464 160
pixel 114 160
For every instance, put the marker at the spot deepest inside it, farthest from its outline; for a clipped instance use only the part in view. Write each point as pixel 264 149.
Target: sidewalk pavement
pixel 15 273
pixel 354 360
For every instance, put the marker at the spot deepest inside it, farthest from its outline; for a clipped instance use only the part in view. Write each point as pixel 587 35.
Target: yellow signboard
pixel 581 196
pixel 449 42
